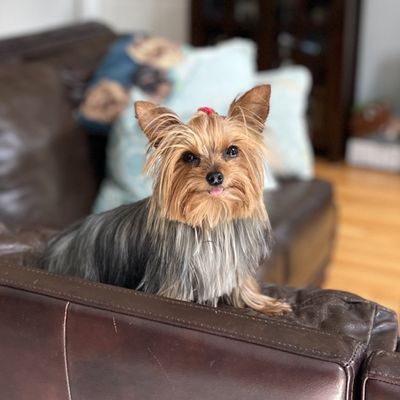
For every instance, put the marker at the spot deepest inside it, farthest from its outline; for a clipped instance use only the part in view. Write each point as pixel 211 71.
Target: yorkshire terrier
pixel 204 232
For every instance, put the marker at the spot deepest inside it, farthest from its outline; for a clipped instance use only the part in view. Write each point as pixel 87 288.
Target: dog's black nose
pixel 215 178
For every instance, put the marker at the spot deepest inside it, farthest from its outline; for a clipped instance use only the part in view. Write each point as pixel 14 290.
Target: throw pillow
pixel 289 149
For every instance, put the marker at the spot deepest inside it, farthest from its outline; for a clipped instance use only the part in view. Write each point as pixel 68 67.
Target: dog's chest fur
pixel 191 265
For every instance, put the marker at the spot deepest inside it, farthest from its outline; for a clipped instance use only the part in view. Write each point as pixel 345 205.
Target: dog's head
pixel 209 170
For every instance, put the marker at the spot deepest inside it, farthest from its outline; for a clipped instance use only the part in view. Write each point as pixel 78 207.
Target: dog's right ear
pixel 155 120
pixel 252 107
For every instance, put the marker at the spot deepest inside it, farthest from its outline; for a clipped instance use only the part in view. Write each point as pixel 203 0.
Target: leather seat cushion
pixel 303 219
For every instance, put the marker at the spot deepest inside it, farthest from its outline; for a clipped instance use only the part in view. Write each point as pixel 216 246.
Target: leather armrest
pixel 100 342
pixel 381 378
pixel 341 313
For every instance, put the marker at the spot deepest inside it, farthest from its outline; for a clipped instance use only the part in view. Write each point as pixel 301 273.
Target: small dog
pixel 203 233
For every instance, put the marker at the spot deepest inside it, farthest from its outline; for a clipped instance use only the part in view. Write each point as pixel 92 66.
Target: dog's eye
pixel 232 151
pixel 190 158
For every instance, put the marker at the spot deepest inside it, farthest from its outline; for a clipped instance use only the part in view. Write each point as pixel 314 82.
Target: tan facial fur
pixel 181 191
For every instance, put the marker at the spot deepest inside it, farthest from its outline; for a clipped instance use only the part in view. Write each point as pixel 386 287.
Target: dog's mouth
pixel 216 191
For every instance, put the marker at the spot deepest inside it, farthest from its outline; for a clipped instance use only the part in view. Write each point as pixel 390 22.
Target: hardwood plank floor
pixel 367 255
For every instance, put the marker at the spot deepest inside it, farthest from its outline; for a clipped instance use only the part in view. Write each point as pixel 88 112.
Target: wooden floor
pixel 367 255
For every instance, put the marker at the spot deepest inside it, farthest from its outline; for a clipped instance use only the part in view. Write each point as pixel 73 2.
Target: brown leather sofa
pixel 66 338
pixel 46 168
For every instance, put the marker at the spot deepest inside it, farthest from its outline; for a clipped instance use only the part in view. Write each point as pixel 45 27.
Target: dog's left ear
pixel 252 107
pixel 155 120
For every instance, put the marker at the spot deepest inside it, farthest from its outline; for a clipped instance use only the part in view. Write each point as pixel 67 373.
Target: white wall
pixel 378 72
pixel 168 18
pixel 25 16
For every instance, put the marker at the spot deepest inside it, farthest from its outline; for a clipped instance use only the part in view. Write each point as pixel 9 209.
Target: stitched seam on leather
pixel 372 324
pixel 349 387
pixel 392 355
pixel 170 301
pixel 380 378
pixel 232 333
pixel 370 360
pixel 359 347
pixel 375 373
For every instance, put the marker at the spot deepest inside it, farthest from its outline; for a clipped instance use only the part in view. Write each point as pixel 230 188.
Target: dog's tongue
pixel 216 191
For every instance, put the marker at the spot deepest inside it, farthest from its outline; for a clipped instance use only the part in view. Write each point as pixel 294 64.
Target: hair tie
pixel 207 110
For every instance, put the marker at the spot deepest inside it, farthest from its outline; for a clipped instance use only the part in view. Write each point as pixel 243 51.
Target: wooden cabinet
pixel 320 34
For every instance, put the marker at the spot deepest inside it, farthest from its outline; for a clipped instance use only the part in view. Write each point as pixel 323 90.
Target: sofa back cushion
pixel 45 174
pixel 74 51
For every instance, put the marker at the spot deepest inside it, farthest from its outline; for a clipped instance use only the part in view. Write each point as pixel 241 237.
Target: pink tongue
pixel 216 191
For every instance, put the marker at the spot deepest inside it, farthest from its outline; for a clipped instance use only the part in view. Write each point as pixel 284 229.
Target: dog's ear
pixel 155 120
pixel 252 107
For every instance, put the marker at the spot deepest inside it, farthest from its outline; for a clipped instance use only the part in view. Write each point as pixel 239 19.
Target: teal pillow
pixel 210 76
pixel 289 149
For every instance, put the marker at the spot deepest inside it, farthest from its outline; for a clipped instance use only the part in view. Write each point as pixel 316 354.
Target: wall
pixel 378 72
pixel 25 16
pixel 168 18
